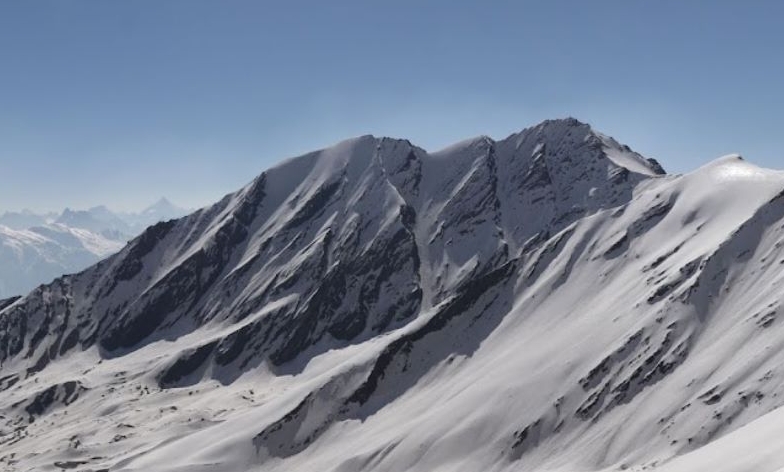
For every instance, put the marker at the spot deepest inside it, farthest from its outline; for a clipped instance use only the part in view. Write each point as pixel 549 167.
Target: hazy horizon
pixel 58 210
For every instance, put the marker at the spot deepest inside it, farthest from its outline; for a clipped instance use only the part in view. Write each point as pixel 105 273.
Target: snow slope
pixel 552 301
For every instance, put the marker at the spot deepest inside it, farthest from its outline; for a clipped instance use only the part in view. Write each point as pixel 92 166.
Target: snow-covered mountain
pixel 100 219
pixel 26 219
pixel 161 210
pixel 29 257
pixel 36 248
pixel 552 301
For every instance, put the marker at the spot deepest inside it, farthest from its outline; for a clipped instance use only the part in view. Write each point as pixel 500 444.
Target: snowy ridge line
pixel 551 301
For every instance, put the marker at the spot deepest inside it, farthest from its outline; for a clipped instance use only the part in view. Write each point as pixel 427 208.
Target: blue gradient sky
pixel 118 103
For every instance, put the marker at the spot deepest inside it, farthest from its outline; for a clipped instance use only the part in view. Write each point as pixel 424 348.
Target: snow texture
pixel 552 301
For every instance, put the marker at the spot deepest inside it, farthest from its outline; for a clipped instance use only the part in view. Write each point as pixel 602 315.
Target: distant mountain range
pixel 26 219
pixel 37 247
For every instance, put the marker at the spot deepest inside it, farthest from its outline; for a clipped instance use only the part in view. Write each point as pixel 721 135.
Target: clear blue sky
pixel 120 102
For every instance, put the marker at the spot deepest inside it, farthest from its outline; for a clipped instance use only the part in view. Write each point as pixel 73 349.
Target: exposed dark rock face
pixel 352 396
pixel 57 395
pixel 344 244
pixel 8 302
pixel 373 239
pixel 186 365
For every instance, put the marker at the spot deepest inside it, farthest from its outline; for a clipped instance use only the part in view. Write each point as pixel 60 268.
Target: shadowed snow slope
pixel 552 301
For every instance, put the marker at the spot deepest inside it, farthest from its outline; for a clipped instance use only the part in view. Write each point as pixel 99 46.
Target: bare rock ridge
pixel 227 248
pixel 551 299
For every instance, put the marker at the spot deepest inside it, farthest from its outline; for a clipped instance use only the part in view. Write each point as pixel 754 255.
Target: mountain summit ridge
pixel 547 301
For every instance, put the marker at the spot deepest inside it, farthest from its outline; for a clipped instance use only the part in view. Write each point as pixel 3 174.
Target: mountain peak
pixel 568 121
pixel 163 209
pixel 162 203
pixel 371 292
pixel 572 134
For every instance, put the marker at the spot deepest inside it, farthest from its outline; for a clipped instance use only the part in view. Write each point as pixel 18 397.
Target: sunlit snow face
pixel 733 168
